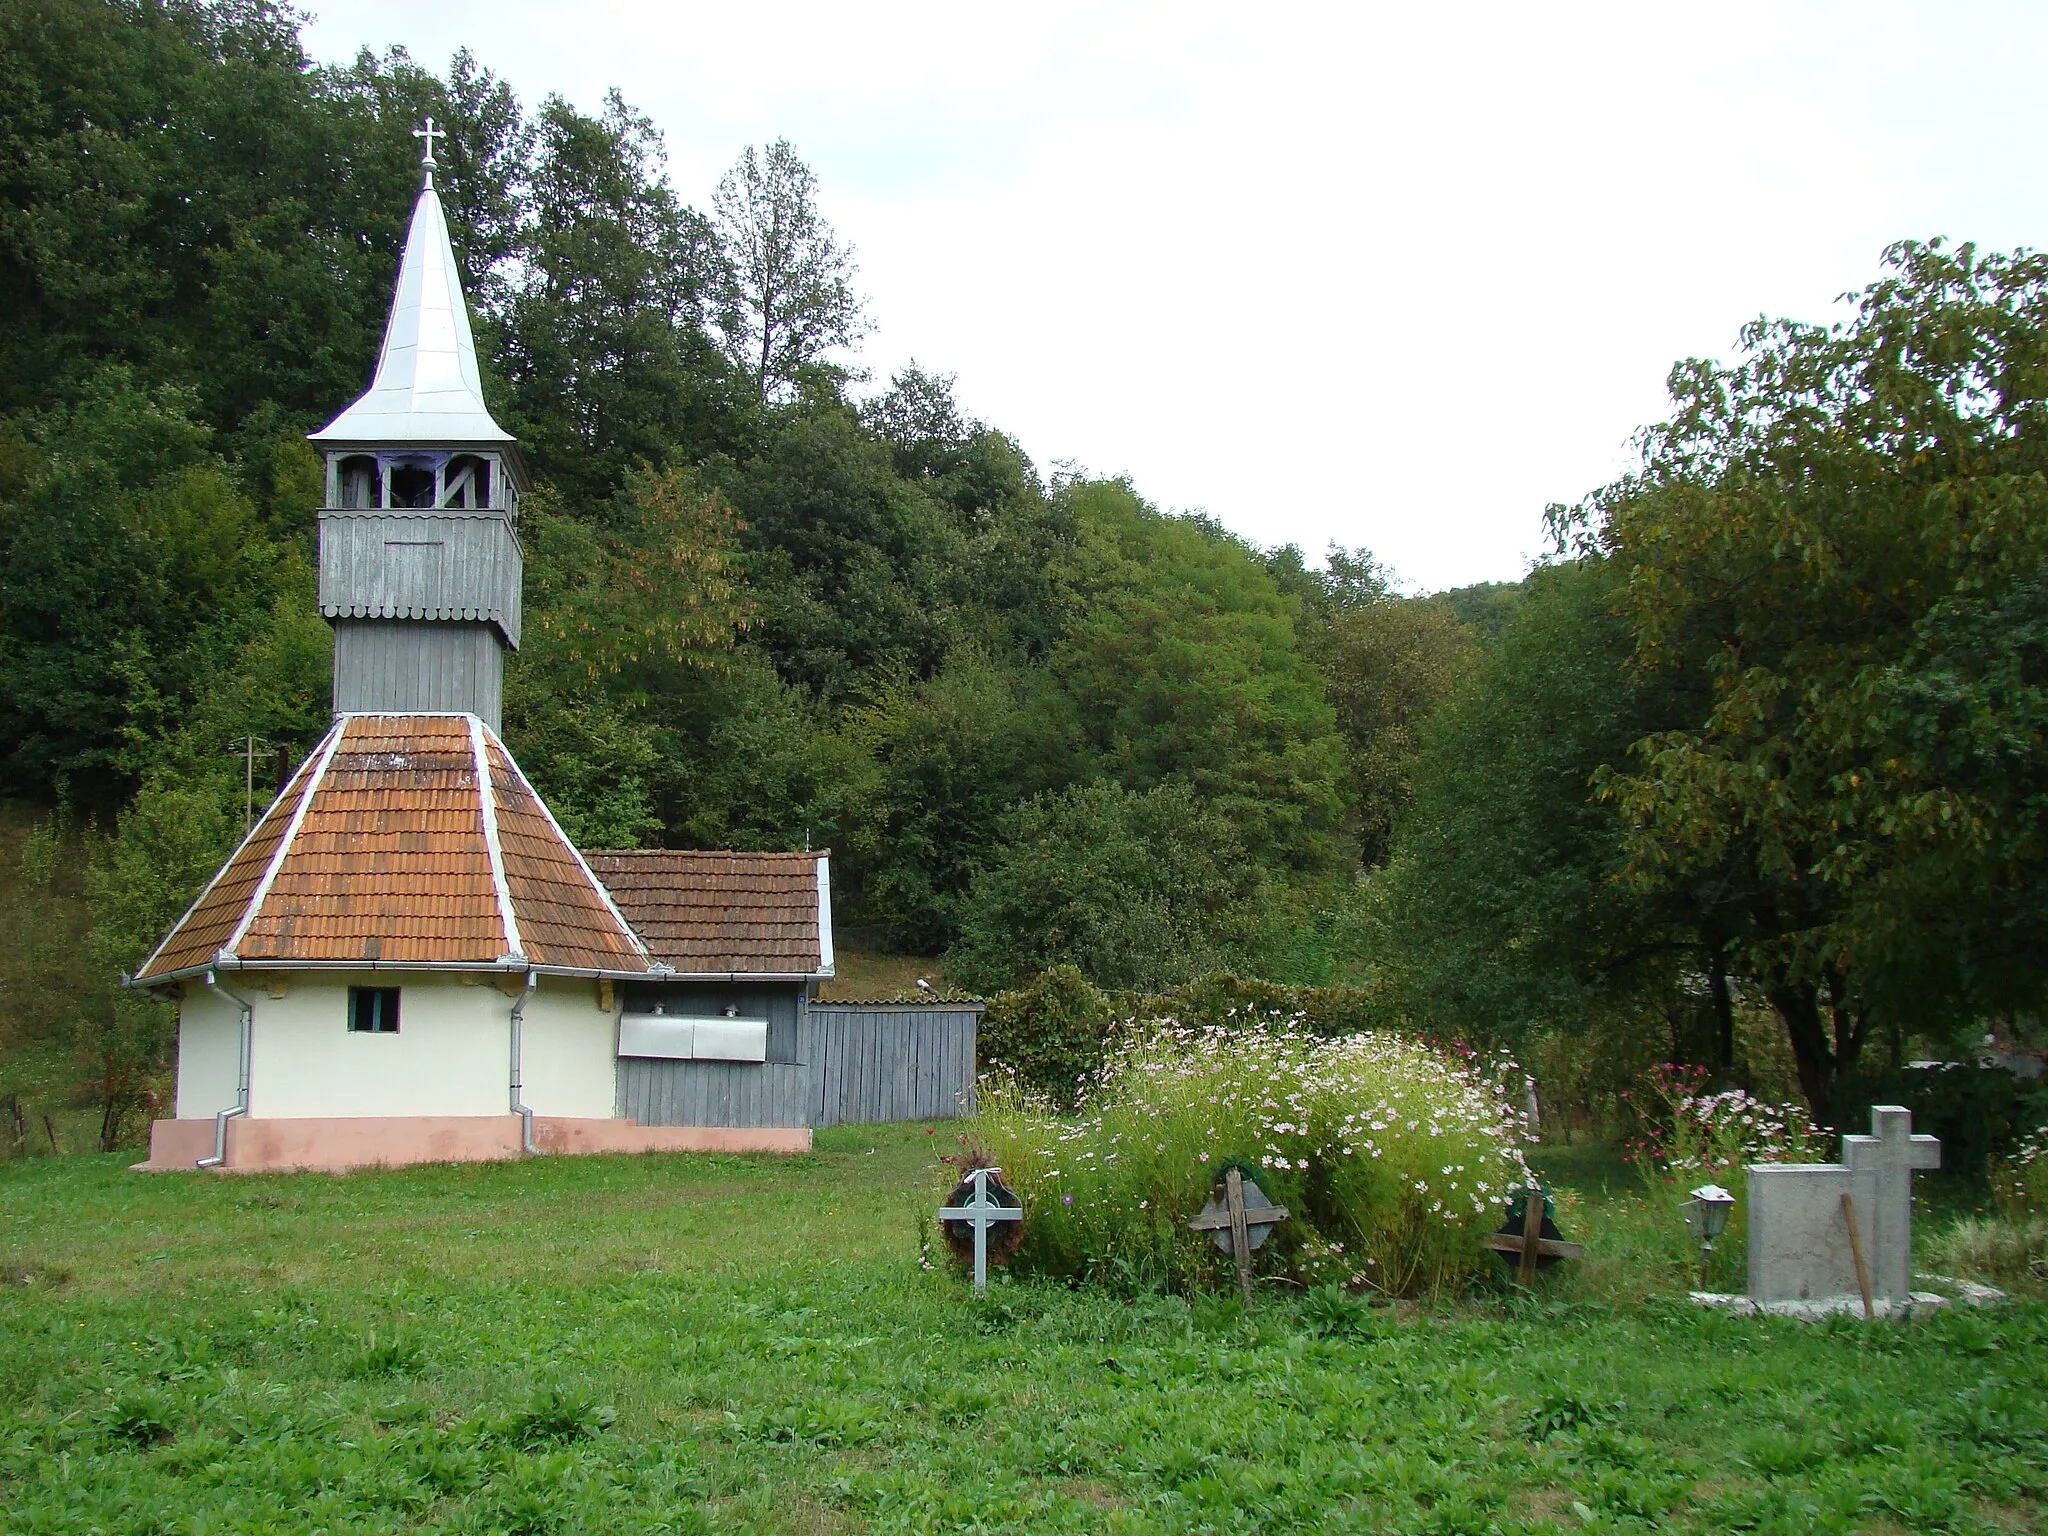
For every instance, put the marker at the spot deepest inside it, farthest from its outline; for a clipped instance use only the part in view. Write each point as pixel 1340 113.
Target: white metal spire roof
pixel 427 391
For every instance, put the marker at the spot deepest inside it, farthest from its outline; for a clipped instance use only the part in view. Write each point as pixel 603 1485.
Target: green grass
pixel 740 1344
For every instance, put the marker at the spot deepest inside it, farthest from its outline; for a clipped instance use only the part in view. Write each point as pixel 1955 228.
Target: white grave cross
pixel 1805 1237
pixel 981 1212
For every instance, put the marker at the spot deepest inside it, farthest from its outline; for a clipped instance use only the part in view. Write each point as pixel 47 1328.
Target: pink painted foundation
pixel 396 1141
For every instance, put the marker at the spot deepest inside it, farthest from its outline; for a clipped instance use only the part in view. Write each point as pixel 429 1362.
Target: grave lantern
pixel 1706 1217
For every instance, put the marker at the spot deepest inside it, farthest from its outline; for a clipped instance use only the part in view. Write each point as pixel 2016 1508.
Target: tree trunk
pixel 1724 1016
pixel 1852 1025
pixel 1798 1004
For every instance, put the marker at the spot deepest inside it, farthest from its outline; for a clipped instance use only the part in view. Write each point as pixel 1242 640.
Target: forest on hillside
pixel 1764 739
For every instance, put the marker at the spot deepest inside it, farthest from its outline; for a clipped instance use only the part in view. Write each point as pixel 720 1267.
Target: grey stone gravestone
pixel 1804 1236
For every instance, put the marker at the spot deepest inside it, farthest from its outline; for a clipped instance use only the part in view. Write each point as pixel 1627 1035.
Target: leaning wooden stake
pixel 1240 1236
pixel 1856 1253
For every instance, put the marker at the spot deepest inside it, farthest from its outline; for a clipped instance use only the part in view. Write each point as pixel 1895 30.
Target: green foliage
pixel 783 283
pixel 1387 663
pixel 1051 1035
pixel 2009 1249
pixel 1500 913
pixel 1223 1000
pixel 1980 1113
pixel 2019 1178
pixel 1181 665
pixel 1054 1033
pixel 1390 1159
pixel 1138 889
pixel 1838 540
pixel 131 561
pixel 948 754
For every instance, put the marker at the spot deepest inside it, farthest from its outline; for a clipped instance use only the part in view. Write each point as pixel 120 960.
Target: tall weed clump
pixel 1392 1157
pixel 2019 1181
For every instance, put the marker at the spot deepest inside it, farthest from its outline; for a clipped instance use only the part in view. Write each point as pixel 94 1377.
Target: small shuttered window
pixel 373 1010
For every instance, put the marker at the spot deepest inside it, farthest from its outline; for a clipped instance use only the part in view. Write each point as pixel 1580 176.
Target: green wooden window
pixel 373 1010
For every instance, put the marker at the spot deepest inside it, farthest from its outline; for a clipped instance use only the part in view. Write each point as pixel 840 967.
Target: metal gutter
pixel 518 1086
pixel 657 972
pixel 241 1104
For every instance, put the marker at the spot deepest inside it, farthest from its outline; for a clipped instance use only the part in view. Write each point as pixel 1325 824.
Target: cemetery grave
pixel 729 1344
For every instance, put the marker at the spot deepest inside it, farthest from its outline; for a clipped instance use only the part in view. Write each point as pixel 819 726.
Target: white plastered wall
pixel 570 1050
pixel 450 1056
pixel 209 1052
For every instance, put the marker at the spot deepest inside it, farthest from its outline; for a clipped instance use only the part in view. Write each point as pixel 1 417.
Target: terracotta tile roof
pixel 721 913
pixel 565 916
pixel 404 839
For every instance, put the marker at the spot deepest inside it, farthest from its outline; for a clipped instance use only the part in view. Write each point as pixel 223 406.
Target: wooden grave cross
pixel 980 1212
pixel 1530 1244
pixel 1236 1226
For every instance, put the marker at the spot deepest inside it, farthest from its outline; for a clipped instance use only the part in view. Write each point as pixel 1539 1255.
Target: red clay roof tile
pixel 719 913
pixel 379 848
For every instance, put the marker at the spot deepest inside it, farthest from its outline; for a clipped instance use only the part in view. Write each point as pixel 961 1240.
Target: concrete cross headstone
pixel 1833 1232
pixel 981 1211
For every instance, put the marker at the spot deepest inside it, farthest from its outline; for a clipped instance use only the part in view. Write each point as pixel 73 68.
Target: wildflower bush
pixel 1392 1156
pixel 1691 1137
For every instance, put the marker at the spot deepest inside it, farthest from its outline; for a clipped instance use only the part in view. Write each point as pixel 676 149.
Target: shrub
pixel 1227 1000
pixel 1979 1112
pixel 1140 888
pixel 2006 1249
pixel 1056 1032
pixel 1050 1036
pixel 1392 1157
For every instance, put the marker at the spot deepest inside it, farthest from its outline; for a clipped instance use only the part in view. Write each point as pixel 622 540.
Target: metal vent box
pixel 672 1037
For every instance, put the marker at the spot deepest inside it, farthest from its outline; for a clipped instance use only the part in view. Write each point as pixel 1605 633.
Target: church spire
pixel 419 564
pixel 427 389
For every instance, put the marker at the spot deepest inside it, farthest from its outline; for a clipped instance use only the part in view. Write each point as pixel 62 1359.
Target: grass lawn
pixel 748 1344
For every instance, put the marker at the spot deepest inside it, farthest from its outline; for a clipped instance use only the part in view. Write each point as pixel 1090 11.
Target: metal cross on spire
pixel 429 134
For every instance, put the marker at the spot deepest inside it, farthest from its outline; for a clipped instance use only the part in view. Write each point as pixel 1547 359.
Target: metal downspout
pixel 518 1106
pixel 241 1104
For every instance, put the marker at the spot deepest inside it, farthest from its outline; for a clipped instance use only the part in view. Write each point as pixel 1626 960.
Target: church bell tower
pixel 420 566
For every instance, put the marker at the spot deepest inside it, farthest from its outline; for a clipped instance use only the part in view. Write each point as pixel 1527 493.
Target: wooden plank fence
pixel 857 1064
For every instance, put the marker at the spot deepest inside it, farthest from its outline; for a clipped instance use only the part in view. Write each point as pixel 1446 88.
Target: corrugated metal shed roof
pixel 725 913
pixel 404 839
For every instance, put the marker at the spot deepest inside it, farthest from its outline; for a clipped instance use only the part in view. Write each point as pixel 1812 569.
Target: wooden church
pixel 406 960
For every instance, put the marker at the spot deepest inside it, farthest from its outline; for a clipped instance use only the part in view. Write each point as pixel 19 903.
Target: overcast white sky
pixel 1391 275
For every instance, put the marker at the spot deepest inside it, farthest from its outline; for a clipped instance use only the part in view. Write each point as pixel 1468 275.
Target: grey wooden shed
pixel 744 941
pixel 849 1064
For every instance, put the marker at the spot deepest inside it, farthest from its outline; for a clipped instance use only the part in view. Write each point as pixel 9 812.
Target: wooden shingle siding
pixel 859 1064
pixel 443 564
pixel 389 665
